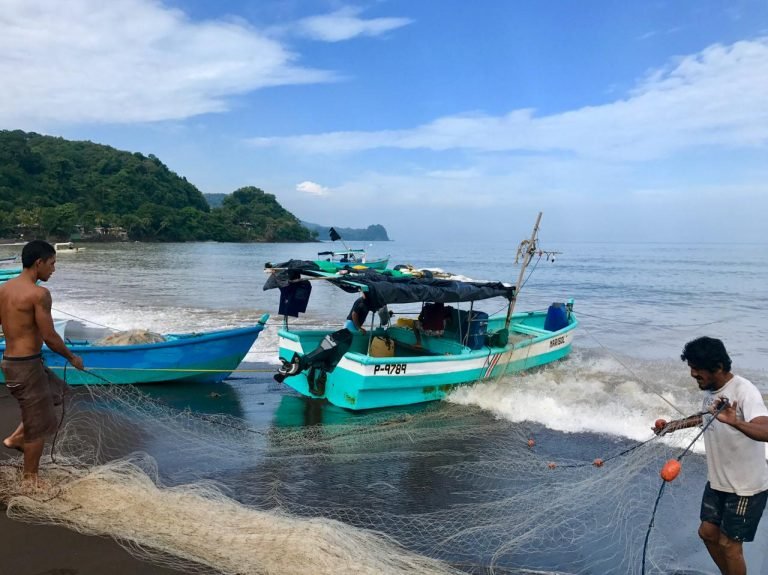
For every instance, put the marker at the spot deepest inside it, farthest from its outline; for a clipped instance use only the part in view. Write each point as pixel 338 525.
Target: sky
pixel 620 121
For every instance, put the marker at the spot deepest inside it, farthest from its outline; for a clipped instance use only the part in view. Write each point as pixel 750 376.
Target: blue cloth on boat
pixel 294 298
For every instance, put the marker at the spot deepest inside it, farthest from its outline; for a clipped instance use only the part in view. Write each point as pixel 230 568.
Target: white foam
pixel 585 393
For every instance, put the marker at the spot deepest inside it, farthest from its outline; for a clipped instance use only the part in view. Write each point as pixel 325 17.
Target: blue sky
pixel 644 121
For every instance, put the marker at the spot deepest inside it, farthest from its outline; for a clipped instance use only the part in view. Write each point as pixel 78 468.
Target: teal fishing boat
pixel 335 260
pixel 207 357
pixel 330 261
pixel 9 273
pixel 415 361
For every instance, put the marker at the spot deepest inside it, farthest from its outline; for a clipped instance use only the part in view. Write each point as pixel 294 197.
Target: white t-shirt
pixel 735 463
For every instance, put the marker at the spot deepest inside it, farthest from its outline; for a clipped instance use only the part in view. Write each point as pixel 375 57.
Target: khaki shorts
pixel 38 391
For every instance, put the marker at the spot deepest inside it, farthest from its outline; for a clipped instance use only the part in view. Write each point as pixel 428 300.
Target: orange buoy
pixel 551 464
pixel 660 423
pixel 531 443
pixel 671 470
pixel 598 462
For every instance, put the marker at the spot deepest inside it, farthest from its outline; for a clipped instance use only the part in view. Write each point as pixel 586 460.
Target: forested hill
pixel 376 232
pixel 54 188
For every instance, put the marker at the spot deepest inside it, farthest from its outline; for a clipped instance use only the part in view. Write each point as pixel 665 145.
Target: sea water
pixel 638 303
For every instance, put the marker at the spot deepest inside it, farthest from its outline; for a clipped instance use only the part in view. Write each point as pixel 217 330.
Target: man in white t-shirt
pixel 737 472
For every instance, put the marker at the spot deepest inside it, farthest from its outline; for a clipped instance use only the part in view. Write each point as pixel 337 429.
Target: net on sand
pixel 442 489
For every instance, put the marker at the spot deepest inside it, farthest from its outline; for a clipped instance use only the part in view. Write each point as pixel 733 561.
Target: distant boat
pixel 67 247
pixel 200 357
pixel 333 261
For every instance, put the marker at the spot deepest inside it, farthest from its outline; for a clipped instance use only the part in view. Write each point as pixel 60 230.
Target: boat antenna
pixel 527 249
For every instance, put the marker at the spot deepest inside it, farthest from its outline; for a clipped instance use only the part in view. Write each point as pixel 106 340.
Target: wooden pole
pixel 527 256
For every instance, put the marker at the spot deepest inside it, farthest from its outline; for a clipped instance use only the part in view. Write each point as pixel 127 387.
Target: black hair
pixel 706 353
pixel 36 250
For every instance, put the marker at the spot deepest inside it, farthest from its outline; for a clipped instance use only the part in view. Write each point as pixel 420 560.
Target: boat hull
pixel 202 358
pixel 334 266
pixel 360 381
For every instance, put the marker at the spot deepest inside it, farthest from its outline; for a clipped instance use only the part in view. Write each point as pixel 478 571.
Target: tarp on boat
pixel 383 289
pixel 394 287
pixel 289 271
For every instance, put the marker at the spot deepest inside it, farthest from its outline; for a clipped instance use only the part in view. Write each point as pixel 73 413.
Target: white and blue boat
pixel 206 357
pixel 407 363
pixel 335 260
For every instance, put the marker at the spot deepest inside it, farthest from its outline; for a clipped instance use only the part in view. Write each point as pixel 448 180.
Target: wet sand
pixel 47 550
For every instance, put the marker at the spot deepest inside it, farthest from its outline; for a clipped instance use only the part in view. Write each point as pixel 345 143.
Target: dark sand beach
pixel 45 550
pixel 417 483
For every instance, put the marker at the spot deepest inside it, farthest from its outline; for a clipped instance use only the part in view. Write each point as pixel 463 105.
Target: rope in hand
pixel 675 469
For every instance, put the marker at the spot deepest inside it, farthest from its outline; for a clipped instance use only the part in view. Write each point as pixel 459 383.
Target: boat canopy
pixel 342 252
pixel 391 286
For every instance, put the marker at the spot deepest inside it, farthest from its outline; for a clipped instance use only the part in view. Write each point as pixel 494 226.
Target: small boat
pixel 67 247
pixel 333 261
pixel 411 362
pixel 200 357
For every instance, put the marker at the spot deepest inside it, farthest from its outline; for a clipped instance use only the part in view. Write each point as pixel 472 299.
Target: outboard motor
pixel 324 358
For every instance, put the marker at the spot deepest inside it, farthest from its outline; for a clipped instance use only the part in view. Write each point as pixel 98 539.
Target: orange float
pixel 671 470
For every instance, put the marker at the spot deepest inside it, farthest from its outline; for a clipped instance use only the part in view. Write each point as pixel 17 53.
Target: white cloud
pixel 345 24
pixel 312 188
pixel 129 61
pixel 713 98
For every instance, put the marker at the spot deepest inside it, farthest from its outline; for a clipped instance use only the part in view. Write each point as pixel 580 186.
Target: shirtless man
pixel 25 317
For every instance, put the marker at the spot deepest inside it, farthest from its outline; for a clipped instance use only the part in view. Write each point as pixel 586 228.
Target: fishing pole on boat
pixel 525 253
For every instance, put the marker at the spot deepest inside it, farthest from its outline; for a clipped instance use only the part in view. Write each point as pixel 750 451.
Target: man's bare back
pixel 19 298
pixel 25 316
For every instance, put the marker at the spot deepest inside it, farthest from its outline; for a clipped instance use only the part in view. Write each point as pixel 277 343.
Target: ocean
pixel 638 303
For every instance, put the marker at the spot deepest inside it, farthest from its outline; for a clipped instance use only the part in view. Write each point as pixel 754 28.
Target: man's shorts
pixel 38 391
pixel 737 516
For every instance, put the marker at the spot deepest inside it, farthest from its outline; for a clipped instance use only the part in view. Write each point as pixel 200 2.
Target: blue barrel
pixel 478 326
pixel 471 328
pixel 557 317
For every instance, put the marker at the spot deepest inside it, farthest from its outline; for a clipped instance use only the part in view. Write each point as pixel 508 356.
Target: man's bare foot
pixel 33 483
pixel 9 443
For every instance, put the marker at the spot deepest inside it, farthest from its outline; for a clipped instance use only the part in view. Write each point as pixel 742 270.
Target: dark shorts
pixel 38 391
pixel 736 516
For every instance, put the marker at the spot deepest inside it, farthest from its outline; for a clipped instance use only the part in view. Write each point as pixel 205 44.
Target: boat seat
pixel 432 345
pixel 527 329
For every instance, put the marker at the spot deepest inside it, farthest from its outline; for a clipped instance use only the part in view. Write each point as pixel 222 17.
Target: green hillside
pixel 54 188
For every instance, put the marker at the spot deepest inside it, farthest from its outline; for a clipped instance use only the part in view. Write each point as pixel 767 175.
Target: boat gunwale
pixel 180 340
pixel 466 354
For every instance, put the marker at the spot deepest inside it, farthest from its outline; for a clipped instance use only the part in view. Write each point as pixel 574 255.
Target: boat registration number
pixel 557 341
pixel 390 368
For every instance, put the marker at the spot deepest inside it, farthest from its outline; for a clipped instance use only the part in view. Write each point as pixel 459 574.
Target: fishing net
pixel 439 488
pixel 131 337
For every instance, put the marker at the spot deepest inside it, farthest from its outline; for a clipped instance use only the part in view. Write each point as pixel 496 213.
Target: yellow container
pixel 381 347
pixel 405 322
